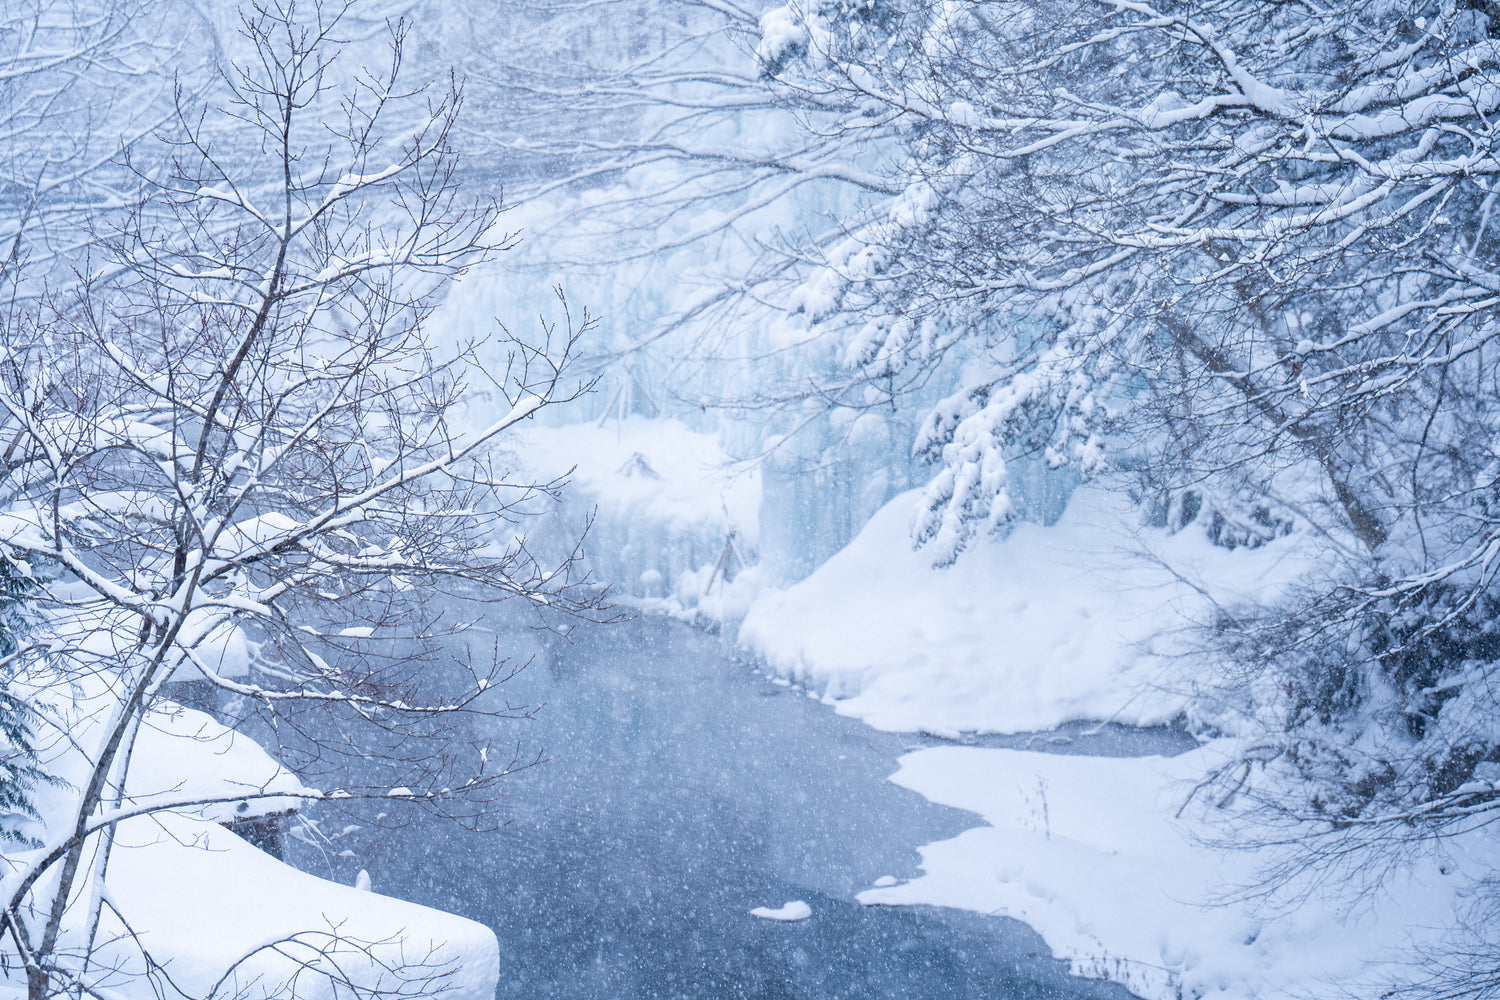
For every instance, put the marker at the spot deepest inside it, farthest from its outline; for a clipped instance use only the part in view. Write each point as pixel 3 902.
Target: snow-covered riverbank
pixel 1101 858
pixel 192 910
pixel 1106 857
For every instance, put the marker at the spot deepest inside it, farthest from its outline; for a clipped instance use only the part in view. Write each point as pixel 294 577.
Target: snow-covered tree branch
pixel 1234 259
pixel 79 82
pixel 234 456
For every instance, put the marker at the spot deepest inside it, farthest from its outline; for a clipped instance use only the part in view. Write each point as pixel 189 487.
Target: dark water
pixel 683 791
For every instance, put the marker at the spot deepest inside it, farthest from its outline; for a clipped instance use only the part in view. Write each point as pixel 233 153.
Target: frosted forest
pixel 952 499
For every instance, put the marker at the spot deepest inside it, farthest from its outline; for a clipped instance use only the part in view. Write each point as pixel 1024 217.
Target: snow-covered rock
pixel 184 756
pixel 789 913
pixel 217 910
pixel 99 635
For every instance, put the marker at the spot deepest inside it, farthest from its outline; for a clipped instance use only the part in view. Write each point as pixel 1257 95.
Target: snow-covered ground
pixel 1079 620
pixel 1093 854
pixel 216 915
pixel 1085 620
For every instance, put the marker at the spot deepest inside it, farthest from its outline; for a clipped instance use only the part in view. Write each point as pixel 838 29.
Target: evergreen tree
pixel 20 772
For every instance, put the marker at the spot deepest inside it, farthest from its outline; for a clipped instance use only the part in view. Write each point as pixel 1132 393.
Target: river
pixel 683 790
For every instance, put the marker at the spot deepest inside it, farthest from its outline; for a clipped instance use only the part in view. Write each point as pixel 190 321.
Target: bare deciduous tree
pixel 235 454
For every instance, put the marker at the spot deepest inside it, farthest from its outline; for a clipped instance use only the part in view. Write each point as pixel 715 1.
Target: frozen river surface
pixel 683 792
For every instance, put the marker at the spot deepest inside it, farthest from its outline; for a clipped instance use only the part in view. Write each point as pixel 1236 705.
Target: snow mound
pixel 102 635
pixel 183 755
pixel 793 911
pixel 1044 626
